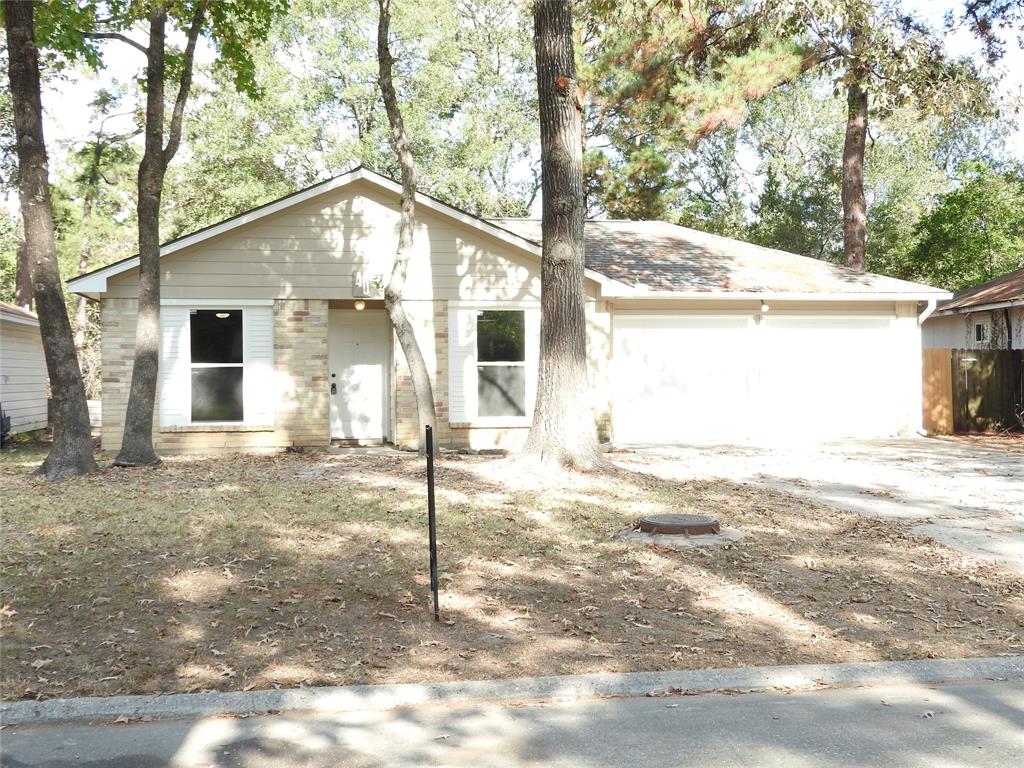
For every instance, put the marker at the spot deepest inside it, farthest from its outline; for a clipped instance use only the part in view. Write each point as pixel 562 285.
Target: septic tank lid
pixel 691 525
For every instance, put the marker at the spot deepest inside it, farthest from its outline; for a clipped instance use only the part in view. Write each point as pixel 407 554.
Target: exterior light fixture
pixel 360 305
pixel 764 306
pixel 223 315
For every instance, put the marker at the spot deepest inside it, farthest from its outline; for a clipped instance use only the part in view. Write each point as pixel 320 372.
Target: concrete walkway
pixel 966 496
pixel 961 724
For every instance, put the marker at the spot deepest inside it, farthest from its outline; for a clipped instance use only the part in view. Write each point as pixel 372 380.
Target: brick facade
pixel 300 373
pixel 430 323
pixel 302 416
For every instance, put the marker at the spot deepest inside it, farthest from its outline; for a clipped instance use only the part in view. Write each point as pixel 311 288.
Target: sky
pixel 67 113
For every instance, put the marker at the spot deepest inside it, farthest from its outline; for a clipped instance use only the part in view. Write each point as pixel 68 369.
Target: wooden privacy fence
pixel 938 391
pixel 972 390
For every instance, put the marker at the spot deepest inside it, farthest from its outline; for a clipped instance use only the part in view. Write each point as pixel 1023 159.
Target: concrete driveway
pixel 967 496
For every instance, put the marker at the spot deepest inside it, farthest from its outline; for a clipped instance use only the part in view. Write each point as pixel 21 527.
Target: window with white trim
pixel 981 332
pixel 501 363
pixel 217 365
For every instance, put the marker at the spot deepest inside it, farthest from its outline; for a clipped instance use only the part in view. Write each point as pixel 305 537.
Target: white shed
pixel 22 369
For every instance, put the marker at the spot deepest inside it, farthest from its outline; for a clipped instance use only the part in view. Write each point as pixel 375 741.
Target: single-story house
pixel 274 332
pixel 987 316
pixel 23 379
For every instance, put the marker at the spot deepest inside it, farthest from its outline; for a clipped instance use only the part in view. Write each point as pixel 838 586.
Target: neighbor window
pixel 501 363
pixel 217 366
pixel 981 332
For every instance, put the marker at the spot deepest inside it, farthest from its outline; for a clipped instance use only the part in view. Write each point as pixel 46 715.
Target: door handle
pixel 334 388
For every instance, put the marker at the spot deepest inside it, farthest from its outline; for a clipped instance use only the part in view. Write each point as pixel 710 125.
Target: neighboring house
pixel 274 333
pixel 987 316
pixel 22 369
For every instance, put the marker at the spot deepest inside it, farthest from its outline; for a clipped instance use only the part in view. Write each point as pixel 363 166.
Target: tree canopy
pixel 974 233
pixel 709 113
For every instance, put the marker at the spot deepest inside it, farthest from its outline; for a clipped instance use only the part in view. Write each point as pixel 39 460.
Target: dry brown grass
pixel 256 571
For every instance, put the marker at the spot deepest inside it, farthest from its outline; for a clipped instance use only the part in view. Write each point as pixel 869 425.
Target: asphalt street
pixel 964 724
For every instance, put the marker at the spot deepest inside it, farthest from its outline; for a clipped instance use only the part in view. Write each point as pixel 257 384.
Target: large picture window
pixel 217 364
pixel 501 363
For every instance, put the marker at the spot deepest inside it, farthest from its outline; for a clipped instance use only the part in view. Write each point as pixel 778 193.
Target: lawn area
pixel 242 571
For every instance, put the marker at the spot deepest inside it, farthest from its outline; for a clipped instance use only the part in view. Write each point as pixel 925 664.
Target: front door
pixel 357 354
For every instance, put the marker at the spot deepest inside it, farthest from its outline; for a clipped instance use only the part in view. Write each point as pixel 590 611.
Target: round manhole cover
pixel 692 525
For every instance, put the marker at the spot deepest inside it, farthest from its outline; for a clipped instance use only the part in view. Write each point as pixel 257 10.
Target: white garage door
pixel 685 378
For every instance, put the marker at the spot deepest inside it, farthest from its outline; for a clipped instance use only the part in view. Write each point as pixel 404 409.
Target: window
pixel 217 366
pixel 981 332
pixel 501 363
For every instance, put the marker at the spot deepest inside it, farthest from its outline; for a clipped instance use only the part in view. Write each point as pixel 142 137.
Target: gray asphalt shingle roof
pixel 666 257
pixel 1008 287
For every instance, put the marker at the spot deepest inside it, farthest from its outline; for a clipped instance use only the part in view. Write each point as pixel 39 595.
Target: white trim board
pixel 769 296
pixel 219 303
pixel 10 317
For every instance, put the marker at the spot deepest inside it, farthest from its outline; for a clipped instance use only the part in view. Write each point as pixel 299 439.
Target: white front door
pixel 357 354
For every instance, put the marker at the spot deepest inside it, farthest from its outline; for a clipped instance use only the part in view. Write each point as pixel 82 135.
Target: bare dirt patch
pixel 238 572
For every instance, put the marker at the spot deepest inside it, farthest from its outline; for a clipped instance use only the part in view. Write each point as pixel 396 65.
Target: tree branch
pixel 174 131
pixel 117 36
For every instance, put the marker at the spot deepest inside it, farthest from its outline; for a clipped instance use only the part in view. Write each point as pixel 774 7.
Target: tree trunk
pixel 22 278
pixel 855 216
pixel 563 433
pixel 423 391
pixel 71 453
pixel 85 251
pixel 137 444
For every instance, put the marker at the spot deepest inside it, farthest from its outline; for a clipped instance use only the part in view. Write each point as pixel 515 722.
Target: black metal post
pixel 432 520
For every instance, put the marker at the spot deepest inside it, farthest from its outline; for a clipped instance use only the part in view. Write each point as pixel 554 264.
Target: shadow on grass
pixel 242 571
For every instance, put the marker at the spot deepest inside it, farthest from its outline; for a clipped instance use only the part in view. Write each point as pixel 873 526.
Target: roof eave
pixel 13 317
pixel 639 293
pixel 966 310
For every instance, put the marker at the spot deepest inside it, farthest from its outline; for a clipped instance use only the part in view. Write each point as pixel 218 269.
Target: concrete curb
pixel 568 687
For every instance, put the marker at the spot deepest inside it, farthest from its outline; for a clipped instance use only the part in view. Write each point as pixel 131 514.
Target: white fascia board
pixel 96 283
pixel 11 317
pixel 775 296
pixel 980 308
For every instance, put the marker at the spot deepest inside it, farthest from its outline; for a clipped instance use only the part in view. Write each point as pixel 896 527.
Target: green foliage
pixel 464 76
pixel 797 134
pixel 899 60
pixel 238 151
pixel 660 77
pixel 974 233
pixel 9 236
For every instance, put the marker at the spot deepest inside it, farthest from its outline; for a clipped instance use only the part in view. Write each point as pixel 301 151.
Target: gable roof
pixel 1005 290
pixel 664 259
pixel 95 282
pixel 635 259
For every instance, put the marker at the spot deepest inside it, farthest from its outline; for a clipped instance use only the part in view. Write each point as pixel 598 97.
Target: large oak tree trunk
pixel 855 215
pixel 71 453
pixel 137 445
pixel 563 431
pixel 423 390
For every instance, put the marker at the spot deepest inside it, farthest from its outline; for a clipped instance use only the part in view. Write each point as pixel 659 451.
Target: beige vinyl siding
pixel 22 375
pixel 311 251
